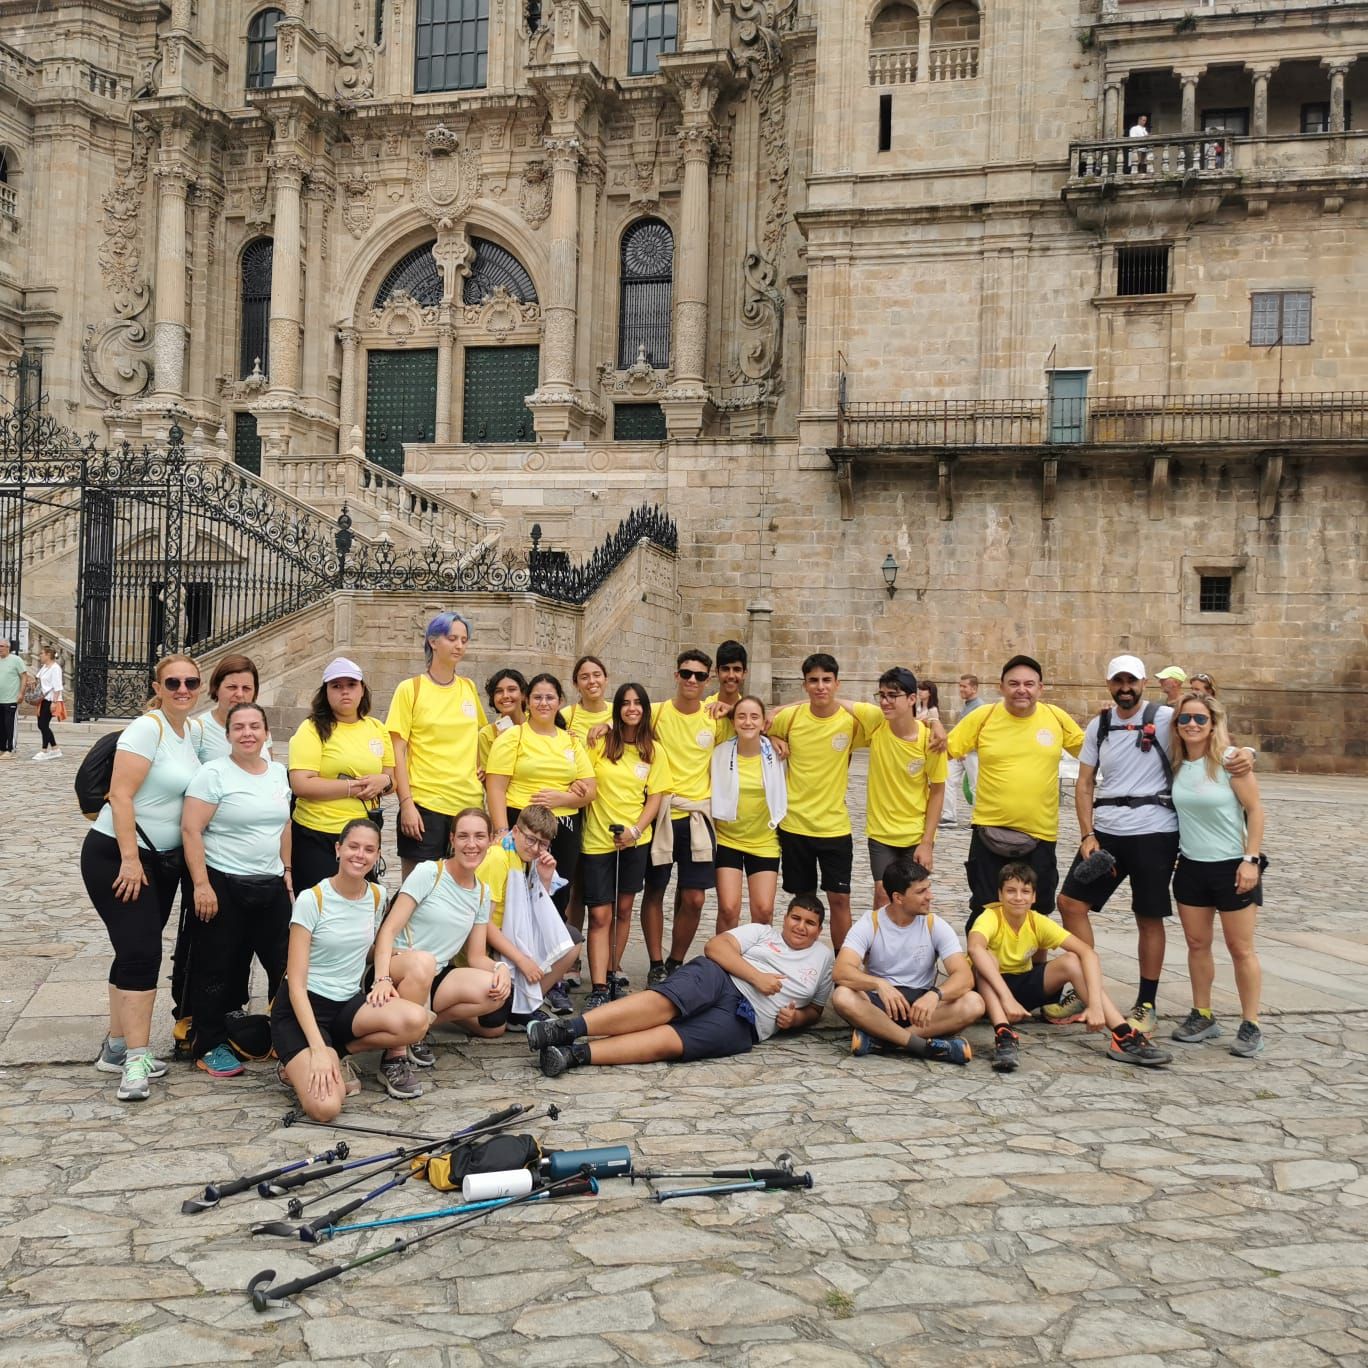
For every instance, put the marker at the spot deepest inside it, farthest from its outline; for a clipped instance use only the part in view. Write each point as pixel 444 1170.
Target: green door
pixel 497 380
pixel 246 443
pixel 401 404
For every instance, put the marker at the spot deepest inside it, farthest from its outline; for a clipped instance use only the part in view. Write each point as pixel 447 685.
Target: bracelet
pixel 385 978
pixel 1086 836
pixel 937 991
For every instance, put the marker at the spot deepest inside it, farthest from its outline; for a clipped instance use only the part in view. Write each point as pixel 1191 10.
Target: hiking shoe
pixel 1195 1027
pixel 1134 1048
pixel 1068 1009
pixel 617 979
pixel 544 1032
pixel 658 974
pixel 421 1054
pixel 556 1059
pixel 1006 1052
pixel 112 1061
pixel 350 1082
pixel 597 997
pixel 220 1062
pixel 949 1050
pixel 399 1079
pixel 133 1084
pixel 1248 1042
pixel 859 1042
pixel 558 1000
pixel 1143 1018
pixel 283 1080
pixel 573 979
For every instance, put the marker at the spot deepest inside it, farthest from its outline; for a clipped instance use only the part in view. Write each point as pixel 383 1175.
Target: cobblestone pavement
pixel 1078 1212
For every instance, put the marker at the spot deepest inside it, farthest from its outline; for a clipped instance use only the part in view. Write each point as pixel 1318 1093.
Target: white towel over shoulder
pixel 532 923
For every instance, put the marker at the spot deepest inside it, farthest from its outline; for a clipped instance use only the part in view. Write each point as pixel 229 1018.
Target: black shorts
pixel 435 842
pixel 693 873
pixel 1029 988
pixel 1211 883
pixel 804 855
pixel 983 866
pixel 728 857
pixel 881 856
pixel 598 873
pixel 1147 861
pixel 335 1023
pixel 911 994
pixel 708 1002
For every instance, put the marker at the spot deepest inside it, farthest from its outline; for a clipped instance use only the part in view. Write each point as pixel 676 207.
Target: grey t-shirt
pixel 806 973
pixel 904 955
pixel 1125 771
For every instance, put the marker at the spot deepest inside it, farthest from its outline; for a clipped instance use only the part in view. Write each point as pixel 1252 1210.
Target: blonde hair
pixel 1218 739
pixel 160 668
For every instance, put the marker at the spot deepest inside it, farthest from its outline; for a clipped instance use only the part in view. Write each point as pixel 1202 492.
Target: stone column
pixel 559 309
pixel 924 44
pixel 1111 109
pixel 169 332
pixel 1337 67
pixel 761 615
pixel 1116 121
pixel 346 401
pixel 1258 123
pixel 1188 80
pixel 287 178
pixel 444 349
pixel 691 279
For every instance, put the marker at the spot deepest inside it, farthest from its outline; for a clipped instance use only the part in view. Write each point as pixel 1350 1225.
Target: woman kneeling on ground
pixel 324 1015
pixel 442 911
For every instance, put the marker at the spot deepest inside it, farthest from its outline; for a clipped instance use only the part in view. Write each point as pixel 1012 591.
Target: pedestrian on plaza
pixel 441 912
pixel 1220 869
pixel 1171 680
pixel 506 690
pixel 132 863
pixel 928 711
pixel 749 800
pixel 235 680
pixel 323 1017
pixel 434 727
pixel 631 775
pixel 235 826
pixel 962 781
pixel 51 701
pixel 1203 684
pixel 1019 742
pixel 341 765
pixel 13 675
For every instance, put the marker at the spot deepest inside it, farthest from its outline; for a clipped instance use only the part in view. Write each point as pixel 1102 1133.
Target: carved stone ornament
pixel 355 79
pixel 500 313
pixel 259 207
pixel 448 180
pixel 358 205
pixel 534 194
pixel 639 379
pixel 401 316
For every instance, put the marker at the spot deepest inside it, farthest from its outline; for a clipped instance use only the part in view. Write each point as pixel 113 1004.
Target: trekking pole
pixel 305 1232
pixel 617 829
pixel 230 1187
pixel 788 1180
pixel 572 1187
pixel 298 1118
pixel 263 1294
pixel 783 1169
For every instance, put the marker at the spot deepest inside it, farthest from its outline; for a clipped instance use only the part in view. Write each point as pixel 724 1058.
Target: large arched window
pixel 416 275
pixel 261 49
pixel 494 266
pixel 254 330
pixel 452 45
pixel 647 280
pixel 654 29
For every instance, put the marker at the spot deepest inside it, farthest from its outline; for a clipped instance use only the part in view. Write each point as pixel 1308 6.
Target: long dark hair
pixel 615 742
pixel 932 696
pixel 555 683
pixel 322 715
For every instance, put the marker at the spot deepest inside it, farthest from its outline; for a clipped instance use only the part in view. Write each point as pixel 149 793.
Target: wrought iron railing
pixel 553 575
pixel 1130 420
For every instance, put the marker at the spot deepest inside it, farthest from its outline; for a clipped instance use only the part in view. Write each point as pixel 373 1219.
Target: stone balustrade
pixel 944 62
pixel 1151 158
pixel 9 202
pixel 892 66
pixel 953 62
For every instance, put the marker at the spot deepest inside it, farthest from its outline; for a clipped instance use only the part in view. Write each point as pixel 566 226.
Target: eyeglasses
pixel 536 842
pixel 890 695
pixel 175 684
pixel 699 675
pixel 1193 719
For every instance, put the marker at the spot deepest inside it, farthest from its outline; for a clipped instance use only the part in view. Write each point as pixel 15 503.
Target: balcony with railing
pixel 9 202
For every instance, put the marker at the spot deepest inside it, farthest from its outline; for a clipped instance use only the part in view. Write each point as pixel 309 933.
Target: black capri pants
pixel 135 928
pixel 313 854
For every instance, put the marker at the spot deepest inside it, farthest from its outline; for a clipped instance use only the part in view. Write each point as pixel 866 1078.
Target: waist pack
pixel 1007 841
pixel 498 1154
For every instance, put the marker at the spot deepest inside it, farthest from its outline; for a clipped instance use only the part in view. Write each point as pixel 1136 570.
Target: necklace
pixel 438 682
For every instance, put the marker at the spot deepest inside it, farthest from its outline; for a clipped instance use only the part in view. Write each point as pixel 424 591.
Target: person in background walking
pixel 50 687
pixel 1171 679
pixel 1203 684
pixel 13 673
pixel 928 711
pixel 963 779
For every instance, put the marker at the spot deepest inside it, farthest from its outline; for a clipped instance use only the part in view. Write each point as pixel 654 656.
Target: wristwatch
pixel 937 991
pixel 1249 859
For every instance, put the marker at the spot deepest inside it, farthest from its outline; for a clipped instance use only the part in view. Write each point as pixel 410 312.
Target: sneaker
pixel 658 974
pixel 573 979
pixel 112 1061
pixel 351 1083
pixel 39 755
pixel 1195 1027
pixel 859 1042
pixel 220 1062
pixel 619 985
pixel 597 997
pixel 543 1032
pixel 558 1000
pixel 671 964
pixel 1142 1018
pixel 54 754
pixel 1249 1041
pixel 949 1050
pixel 421 1054
pixel 1134 1048
pixel 1006 1052
pixel 556 1059
pixel 1068 1009
pixel 399 1079
pixel 133 1084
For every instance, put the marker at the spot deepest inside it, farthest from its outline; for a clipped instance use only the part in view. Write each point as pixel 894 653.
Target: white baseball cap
pixel 342 668
pixel 1127 664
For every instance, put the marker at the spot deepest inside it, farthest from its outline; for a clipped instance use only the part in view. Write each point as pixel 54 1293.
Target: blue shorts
pixel 714 1020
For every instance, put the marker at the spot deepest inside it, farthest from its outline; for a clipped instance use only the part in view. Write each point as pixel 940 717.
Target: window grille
pixel 1214 594
pixel 493 266
pixel 1142 270
pixel 261 49
pixel 416 275
pixel 254 329
pixel 645 302
pixel 1280 317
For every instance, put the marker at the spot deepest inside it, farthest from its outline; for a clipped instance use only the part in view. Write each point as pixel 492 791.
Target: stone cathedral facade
pixel 859 290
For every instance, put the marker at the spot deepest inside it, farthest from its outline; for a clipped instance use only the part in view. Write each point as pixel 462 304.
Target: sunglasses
pixel 1201 679
pixel 698 675
pixel 1193 719
pixel 174 683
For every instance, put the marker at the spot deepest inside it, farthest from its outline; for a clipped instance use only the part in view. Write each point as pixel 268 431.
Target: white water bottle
pixel 483 1187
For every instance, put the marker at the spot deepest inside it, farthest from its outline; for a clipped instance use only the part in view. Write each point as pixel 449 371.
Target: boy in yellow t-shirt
pixel 1002 946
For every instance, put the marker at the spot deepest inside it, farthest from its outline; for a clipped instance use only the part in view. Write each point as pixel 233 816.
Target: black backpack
pixel 1147 738
pixel 95 774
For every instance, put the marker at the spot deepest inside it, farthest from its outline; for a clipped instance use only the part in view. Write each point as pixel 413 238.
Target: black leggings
pixel 313 855
pixel 45 725
pixel 8 712
pixel 253 917
pixel 135 928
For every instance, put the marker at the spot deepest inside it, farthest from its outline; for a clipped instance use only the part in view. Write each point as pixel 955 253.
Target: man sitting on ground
pixel 886 975
pixel 1002 944
pixel 748 983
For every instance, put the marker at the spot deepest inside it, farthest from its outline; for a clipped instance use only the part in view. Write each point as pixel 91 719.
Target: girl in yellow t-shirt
pixel 539 762
pixel 507 693
pixel 632 774
pixel 749 800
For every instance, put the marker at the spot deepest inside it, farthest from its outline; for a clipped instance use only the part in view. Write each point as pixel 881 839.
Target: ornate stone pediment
pixel 447 179
pixel 401 316
pixel 500 314
pixel 639 379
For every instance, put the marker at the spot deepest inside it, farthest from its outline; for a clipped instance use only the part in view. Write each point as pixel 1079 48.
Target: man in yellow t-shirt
pixel 686 733
pixel 814 836
pixel 1019 743
pixel 1002 948
pixel 732 665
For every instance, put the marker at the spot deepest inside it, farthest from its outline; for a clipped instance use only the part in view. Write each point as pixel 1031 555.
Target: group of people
pixel 528 829
pixel 42 687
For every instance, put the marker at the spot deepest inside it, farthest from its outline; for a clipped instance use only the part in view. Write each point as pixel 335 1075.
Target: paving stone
pixel 588 1316
pixel 722 1300
pixel 338 1335
pixel 1097 1333
pixel 174 1345
pixel 1299 1174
